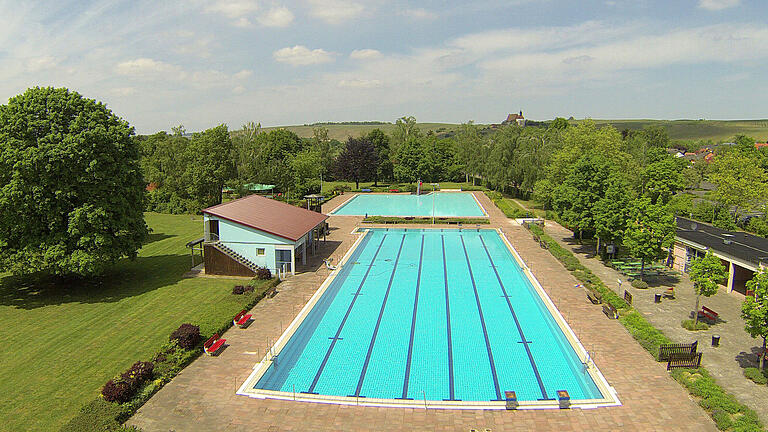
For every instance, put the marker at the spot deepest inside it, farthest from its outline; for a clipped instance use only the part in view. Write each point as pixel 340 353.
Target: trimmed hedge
pixel 510 210
pixel 728 413
pixel 688 324
pixel 640 284
pixel 99 415
pixel 756 375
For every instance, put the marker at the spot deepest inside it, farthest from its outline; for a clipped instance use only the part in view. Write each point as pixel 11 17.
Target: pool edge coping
pixel 610 396
pixel 471 193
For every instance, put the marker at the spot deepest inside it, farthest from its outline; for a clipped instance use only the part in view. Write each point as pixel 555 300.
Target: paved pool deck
pixel 202 396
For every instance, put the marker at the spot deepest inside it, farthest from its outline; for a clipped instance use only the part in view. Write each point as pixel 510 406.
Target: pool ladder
pixel 589 360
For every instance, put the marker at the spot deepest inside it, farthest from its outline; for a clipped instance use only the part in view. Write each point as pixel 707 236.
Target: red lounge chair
pixel 213 345
pixel 241 319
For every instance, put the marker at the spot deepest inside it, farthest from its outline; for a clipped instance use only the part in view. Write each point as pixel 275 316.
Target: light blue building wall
pixel 246 241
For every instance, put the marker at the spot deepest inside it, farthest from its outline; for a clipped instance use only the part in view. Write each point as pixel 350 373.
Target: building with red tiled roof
pixel 259 232
pixel 761 145
pixel 515 119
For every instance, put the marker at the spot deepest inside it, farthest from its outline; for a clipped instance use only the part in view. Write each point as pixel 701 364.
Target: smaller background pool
pixel 438 204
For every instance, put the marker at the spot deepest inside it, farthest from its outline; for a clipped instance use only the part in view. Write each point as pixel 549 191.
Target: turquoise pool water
pixel 445 312
pixel 446 204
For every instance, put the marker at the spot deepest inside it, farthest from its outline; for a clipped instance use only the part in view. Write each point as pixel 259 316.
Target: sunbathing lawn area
pixel 60 344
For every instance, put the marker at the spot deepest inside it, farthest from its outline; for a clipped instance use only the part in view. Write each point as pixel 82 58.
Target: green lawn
pixel 62 342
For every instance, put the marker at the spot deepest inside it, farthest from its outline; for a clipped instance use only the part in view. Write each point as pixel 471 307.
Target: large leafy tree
pixel 211 166
pixel 409 157
pixel 705 272
pixel 650 231
pixel 663 179
pixel 272 162
pixel 71 189
pixel 584 186
pixel 754 310
pixel 469 150
pixel 380 142
pixel 358 161
pixel 611 211
pixel 740 180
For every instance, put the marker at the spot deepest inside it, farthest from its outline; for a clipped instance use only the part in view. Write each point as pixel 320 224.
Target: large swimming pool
pixel 439 204
pixel 438 315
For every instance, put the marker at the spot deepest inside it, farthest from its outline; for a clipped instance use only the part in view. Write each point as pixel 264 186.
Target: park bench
pixel 610 311
pixel 594 297
pixel 365 190
pixel 684 360
pixel 669 293
pixel 213 345
pixel 241 319
pixel 628 297
pixel 666 350
pixel 708 314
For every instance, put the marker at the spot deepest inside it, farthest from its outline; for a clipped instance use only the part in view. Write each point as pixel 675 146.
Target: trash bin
pixel 715 340
pixel 657 298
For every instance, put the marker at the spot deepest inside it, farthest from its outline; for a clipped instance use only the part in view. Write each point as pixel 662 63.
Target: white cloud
pixel 233 8
pixel 123 91
pixel 335 11
pixel 142 66
pixel 365 54
pixel 38 64
pixel 243 74
pixel 715 5
pixel 418 14
pixel 276 17
pixel 300 55
pixel 359 83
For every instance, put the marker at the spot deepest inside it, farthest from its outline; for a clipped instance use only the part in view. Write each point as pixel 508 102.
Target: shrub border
pixel 715 400
pixel 116 413
pixel 424 220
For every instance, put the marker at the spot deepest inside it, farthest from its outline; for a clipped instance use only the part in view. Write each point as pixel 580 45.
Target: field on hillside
pixel 342 132
pixel 691 130
pixel 688 130
pixel 62 343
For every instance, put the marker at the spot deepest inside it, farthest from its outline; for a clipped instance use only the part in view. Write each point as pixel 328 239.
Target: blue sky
pixel 201 63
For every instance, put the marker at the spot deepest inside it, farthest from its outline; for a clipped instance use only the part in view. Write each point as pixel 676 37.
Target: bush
pixel 238 289
pixel 688 325
pixel 648 336
pixel 640 284
pixel 722 419
pixel 263 273
pixel 139 372
pixel 118 390
pixel 187 336
pixel 97 416
pixel 756 375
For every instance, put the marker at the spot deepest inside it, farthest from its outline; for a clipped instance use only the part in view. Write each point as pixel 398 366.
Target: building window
pixel 260 252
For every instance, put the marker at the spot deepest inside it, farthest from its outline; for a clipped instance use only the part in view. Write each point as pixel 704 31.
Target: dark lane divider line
pixel 524 341
pixel 378 322
pixel 451 394
pixel 413 323
pixel 344 320
pixel 482 322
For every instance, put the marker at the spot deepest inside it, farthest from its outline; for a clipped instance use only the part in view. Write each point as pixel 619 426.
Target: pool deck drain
pixel 202 396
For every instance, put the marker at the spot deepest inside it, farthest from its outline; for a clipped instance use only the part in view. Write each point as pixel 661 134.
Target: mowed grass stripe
pixel 60 345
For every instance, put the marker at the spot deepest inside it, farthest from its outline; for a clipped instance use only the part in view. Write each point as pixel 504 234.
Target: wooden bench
pixel 594 297
pixel 241 319
pixel 667 350
pixel 708 314
pixel 684 360
pixel 213 345
pixel 610 311
pixel 669 293
pixel 628 297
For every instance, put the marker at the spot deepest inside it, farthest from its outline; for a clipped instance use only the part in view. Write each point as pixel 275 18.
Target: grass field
pixel 687 130
pixel 62 343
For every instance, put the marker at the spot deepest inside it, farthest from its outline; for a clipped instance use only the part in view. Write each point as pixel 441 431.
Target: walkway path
pixel 202 396
pixel 737 349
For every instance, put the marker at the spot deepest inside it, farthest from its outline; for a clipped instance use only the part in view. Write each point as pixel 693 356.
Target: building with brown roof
pixel 255 231
pixel 515 119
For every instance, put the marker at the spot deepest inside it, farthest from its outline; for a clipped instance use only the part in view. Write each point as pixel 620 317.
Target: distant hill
pixel 688 130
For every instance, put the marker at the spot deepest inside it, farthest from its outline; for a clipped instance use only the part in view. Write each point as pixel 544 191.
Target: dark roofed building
pixel 515 119
pixel 742 253
pixel 256 231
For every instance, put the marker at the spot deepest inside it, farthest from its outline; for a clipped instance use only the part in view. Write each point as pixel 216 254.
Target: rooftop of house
pixel 268 215
pixel 738 244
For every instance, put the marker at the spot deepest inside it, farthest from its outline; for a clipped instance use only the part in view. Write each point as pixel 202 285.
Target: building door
pixel 283 260
pixel 213 229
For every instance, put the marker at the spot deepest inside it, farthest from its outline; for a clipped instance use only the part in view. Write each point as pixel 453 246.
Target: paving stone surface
pixel 202 396
pixel 737 349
